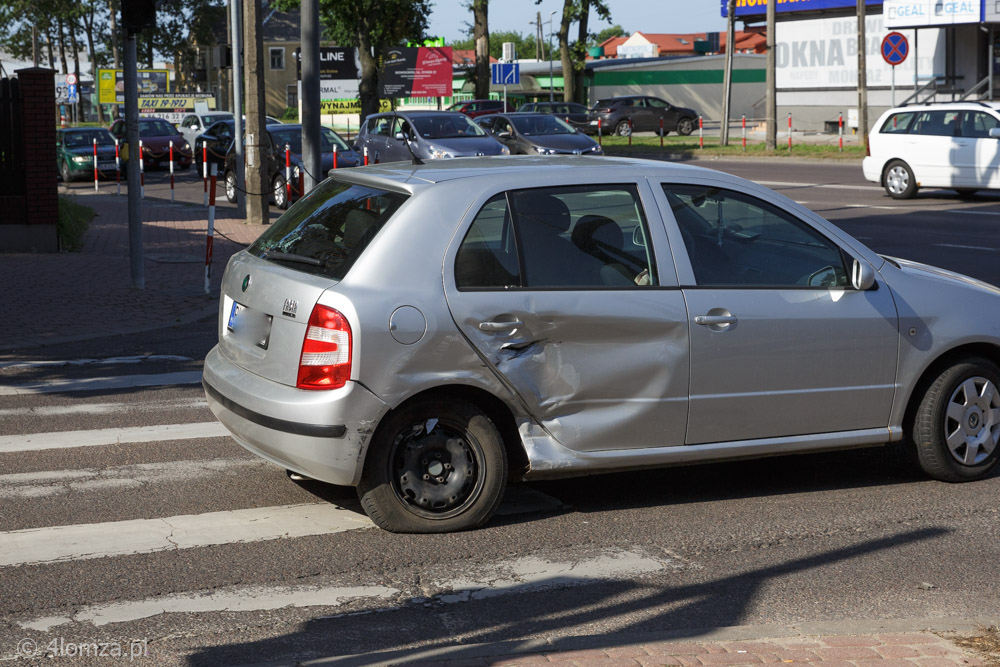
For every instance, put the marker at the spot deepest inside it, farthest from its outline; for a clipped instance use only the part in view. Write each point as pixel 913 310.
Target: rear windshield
pixel 156 128
pixel 327 230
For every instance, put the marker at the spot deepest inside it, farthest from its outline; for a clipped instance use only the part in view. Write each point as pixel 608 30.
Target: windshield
pixel 540 125
pixel 156 128
pixel 79 138
pixel 446 126
pixel 292 137
pixel 333 225
pixel 212 118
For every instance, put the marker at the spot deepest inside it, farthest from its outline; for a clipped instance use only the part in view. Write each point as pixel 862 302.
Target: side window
pixel 936 123
pixel 978 124
pixel 379 126
pixel 657 103
pixel 733 239
pixel 899 123
pixel 583 237
pixel 487 258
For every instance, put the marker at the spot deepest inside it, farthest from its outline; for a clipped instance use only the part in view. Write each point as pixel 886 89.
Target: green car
pixel 75 153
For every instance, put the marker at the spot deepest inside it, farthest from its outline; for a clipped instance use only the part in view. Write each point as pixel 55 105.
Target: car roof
pixel 993 106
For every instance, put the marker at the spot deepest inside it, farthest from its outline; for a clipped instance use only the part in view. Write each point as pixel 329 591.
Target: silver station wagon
pixel 427 333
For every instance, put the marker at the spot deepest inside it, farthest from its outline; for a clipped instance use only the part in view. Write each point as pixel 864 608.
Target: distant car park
pixel 156 135
pixel 196 123
pixel 538 134
pixel 75 153
pixel 641 113
pixel 477 108
pixel 573 113
pixel 426 135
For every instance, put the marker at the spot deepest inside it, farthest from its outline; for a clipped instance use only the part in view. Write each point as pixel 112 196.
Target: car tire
pixel 279 193
pixel 434 466
pixel 623 128
pixel 685 126
pixel 67 175
pixel 231 186
pixel 898 180
pixel 957 424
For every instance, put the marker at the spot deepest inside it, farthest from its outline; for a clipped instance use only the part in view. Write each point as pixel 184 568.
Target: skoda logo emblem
pixel 246 283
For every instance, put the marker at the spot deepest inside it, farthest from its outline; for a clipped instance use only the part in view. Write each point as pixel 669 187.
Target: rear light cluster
pixel 326 351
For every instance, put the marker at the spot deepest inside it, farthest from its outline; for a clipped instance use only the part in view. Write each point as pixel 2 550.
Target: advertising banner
pixel 111 84
pixel 914 13
pixel 173 107
pixel 334 107
pixel 755 7
pixel 422 71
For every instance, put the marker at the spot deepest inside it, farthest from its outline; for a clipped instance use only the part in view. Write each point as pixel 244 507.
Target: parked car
pixel 156 135
pixel 214 142
pixel 573 113
pixel 639 113
pixel 427 332
pixel 194 124
pixel 476 108
pixel 278 136
pixel 538 134
pixel 955 145
pixel 75 153
pixel 426 135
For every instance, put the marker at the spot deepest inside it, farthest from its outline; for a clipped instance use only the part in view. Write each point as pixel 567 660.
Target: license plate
pixel 249 325
pixel 105 165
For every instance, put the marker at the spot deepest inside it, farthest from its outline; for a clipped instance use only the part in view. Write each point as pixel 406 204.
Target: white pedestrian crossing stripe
pixel 34 442
pixel 103 383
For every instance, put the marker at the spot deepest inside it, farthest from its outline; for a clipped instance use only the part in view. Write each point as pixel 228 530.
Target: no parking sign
pixel 895 48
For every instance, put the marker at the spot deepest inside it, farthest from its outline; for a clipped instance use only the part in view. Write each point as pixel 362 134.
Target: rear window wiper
pixel 289 257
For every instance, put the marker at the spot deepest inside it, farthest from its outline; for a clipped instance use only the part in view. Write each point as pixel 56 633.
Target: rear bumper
pixel 321 434
pixel 872 169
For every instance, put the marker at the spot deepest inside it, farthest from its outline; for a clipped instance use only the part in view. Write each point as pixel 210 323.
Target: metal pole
pixel 551 14
pixel 727 86
pixel 862 74
pixel 132 166
pixel 771 106
pixel 236 39
pixel 312 156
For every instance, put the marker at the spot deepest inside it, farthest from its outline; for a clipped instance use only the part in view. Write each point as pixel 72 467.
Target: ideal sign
pixel 913 13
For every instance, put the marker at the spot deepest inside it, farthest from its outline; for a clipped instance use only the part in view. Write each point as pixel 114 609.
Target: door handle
pixel 709 320
pixel 500 326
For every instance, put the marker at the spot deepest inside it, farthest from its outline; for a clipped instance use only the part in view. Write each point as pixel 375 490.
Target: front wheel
pixel 898 180
pixel 685 126
pixel 957 424
pixel 623 129
pixel 231 186
pixel 435 466
pixel 67 175
pixel 280 192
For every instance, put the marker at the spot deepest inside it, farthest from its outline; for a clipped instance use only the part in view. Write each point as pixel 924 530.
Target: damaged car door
pixel 559 291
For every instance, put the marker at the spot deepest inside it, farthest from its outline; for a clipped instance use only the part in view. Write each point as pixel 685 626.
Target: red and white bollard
pixel 118 166
pixel 288 175
pixel 630 130
pixel 789 131
pixel 204 170
pixel 366 156
pixel 171 171
pixel 744 133
pixel 211 231
pixel 661 133
pixel 840 130
pixel 142 174
pixel 600 136
pixel 701 132
pixel 335 156
pixel 95 165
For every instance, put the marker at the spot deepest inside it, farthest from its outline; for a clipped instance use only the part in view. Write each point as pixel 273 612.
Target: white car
pixel 954 145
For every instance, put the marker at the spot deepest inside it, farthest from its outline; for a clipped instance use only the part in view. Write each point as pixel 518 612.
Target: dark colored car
pixel 476 108
pixel 214 144
pixel 280 135
pixel 573 113
pixel 427 135
pixel 538 134
pixel 645 114
pixel 75 153
pixel 156 135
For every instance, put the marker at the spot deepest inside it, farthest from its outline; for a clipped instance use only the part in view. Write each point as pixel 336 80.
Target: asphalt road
pixel 188 547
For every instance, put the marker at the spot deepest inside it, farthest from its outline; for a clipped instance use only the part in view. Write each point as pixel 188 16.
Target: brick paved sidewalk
pixel 60 297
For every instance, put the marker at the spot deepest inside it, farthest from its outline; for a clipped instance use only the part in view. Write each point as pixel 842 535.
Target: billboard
pixel 424 71
pixel 759 7
pixel 173 107
pixel 914 13
pixel 111 84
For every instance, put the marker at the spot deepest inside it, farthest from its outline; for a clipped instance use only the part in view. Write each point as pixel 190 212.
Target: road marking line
pixel 86 362
pixel 103 408
pixel 104 383
pixel 972 212
pixel 830 186
pixel 964 247
pixel 35 442
pixel 34 546
pixel 58 482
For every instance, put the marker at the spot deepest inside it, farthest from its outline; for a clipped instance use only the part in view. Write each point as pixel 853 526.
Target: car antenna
pixel 406 141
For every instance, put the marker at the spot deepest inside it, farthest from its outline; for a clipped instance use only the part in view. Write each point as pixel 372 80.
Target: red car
pixel 476 108
pixel 156 135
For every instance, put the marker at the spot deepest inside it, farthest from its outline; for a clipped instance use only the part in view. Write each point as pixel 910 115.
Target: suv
pixel 951 145
pixel 639 113
pixel 476 108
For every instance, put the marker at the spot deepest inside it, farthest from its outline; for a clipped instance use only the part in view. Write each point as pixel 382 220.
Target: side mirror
pixel 504 135
pixel 995 132
pixel 862 276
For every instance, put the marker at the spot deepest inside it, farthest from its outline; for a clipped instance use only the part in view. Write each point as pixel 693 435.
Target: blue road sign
pixel 505 74
pixel 71 93
pixel 895 48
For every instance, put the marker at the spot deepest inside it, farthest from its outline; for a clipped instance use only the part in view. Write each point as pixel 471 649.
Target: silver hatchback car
pixel 428 332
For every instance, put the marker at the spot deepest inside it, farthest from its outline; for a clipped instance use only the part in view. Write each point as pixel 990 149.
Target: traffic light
pixel 137 15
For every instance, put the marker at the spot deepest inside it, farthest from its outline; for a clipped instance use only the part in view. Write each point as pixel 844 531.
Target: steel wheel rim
pixel 972 421
pixel 231 186
pixel 897 180
pixel 685 127
pixel 279 193
pixel 435 469
pixel 624 129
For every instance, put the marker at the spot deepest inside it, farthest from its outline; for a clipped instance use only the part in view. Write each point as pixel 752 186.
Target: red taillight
pixel 326 351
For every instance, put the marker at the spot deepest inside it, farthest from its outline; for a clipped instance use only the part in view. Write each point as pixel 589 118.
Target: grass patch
pixel 690 147
pixel 72 224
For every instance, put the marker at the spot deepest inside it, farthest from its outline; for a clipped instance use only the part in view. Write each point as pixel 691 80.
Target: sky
pixel 449 17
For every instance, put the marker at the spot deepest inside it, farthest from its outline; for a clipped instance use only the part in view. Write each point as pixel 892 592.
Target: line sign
pixel 505 74
pixel 895 48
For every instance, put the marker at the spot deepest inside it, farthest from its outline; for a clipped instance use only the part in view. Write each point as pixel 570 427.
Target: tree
pixel 524 45
pixel 372 26
pixel 608 33
pixel 574 55
pixel 481 35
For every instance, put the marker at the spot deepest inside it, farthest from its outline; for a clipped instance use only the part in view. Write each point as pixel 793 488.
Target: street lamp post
pixel 551 14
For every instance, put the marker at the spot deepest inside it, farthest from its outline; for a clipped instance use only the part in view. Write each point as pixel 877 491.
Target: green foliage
pixel 690 147
pixel 524 45
pixel 608 33
pixel 72 223
pixel 291 115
